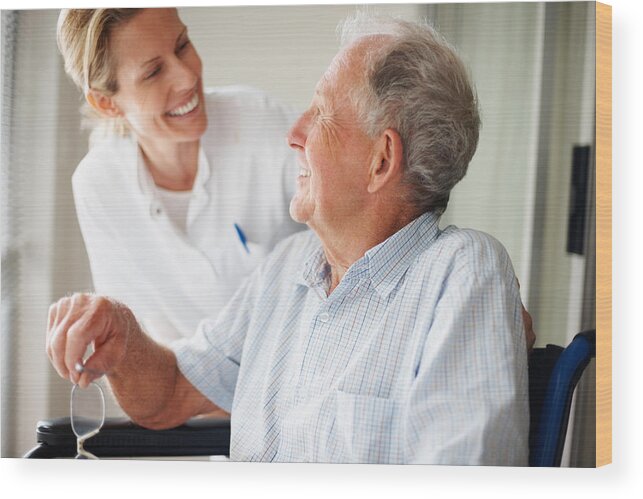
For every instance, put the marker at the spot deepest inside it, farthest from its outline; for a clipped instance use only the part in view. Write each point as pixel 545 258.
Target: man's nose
pixel 297 134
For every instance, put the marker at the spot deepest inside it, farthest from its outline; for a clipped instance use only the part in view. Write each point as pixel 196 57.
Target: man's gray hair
pixel 418 85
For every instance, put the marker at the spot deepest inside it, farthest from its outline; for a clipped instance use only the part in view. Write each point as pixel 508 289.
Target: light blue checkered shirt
pixel 418 355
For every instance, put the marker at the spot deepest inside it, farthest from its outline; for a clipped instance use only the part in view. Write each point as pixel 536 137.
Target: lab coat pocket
pixel 251 257
pixel 236 260
pixel 369 428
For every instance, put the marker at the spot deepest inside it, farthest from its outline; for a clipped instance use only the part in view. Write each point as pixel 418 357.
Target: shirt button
pixel 324 317
pixel 155 210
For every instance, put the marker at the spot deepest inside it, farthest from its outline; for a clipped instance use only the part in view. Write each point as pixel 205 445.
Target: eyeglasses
pixel 87 408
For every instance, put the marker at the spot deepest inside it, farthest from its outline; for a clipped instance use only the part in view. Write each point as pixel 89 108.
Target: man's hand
pixel 143 374
pixel 81 320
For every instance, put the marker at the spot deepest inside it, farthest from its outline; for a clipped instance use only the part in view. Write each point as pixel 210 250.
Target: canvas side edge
pixel 603 234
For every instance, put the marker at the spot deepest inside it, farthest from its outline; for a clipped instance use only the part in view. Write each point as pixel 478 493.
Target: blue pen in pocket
pixel 242 237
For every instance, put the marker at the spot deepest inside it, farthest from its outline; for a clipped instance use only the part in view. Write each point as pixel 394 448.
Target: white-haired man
pixel 375 337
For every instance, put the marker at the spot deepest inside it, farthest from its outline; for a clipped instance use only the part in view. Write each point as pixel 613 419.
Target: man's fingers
pixel 98 323
pixel 85 378
pixel 64 316
pixel 109 347
pixel 51 317
pixel 51 320
pixel 56 354
pixel 88 327
pixel 104 359
pixel 77 321
pixel 78 340
pixel 56 341
pixel 73 311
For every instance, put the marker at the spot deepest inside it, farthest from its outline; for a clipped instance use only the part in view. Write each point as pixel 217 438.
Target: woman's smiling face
pixel 158 71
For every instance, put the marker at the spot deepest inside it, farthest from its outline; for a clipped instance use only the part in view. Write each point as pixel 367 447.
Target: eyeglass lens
pixel 87 415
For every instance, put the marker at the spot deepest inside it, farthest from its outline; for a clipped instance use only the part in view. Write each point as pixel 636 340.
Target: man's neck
pixel 357 237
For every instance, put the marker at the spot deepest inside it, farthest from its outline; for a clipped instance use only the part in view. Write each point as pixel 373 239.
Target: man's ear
pixel 103 104
pixel 388 161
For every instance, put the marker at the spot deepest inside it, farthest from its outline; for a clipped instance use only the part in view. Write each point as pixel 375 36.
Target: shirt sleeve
pixel 469 402
pixel 211 358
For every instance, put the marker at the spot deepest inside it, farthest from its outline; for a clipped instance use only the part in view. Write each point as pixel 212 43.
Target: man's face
pixel 334 153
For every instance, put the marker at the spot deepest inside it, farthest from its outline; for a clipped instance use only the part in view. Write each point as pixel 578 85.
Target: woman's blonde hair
pixel 83 37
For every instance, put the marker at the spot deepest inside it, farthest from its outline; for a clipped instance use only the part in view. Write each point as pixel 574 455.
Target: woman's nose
pixel 184 76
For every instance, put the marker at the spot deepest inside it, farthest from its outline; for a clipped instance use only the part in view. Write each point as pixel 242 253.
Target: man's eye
pixel 323 118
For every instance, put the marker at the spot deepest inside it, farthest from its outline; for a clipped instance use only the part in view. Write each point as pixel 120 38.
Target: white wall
pixel 46 145
pixel 568 120
pixel 283 50
pixel 502 46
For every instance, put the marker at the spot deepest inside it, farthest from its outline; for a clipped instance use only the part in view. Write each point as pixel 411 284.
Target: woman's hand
pixel 81 320
pixel 530 334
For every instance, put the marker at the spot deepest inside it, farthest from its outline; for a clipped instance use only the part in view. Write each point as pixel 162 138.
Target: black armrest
pixel 119 437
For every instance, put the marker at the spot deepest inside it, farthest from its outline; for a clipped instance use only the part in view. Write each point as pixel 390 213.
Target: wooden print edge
pixel 603 234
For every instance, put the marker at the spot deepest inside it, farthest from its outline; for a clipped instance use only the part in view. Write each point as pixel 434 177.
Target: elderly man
pixel 375 337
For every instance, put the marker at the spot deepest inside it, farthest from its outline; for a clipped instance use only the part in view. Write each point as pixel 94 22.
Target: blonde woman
pixel 190 188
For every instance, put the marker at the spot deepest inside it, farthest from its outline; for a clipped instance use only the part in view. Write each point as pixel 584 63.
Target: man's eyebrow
pixel 178 38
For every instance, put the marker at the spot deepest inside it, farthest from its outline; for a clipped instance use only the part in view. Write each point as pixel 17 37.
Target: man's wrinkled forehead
pixel 333 73
pixel 348 67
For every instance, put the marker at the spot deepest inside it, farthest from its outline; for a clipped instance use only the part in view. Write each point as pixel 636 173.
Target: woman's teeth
pixel 304 173
pixel 180 111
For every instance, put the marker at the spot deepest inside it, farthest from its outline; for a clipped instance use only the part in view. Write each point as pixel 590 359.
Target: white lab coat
pixel 170 279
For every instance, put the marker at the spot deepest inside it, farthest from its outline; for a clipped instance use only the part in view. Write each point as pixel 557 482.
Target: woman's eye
pixel 152 73
pixel 183 45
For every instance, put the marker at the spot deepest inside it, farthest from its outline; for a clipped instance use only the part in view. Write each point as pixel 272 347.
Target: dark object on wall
pixel 578 200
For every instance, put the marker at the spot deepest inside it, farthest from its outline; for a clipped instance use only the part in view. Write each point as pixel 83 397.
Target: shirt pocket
pixel 369 429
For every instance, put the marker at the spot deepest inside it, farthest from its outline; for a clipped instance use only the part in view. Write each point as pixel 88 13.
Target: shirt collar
pixel 146 182
pixel 315 270
pixel 389 260
pixel 384 264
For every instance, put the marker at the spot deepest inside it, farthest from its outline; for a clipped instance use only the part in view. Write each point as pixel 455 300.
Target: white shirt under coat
pixel 172 277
